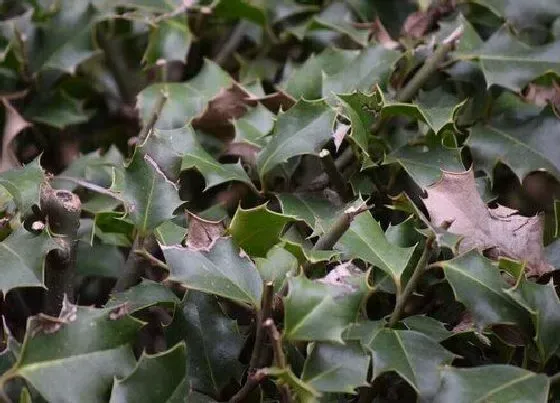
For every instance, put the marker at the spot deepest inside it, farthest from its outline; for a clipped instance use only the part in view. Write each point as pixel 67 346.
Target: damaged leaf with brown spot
pixel 203 233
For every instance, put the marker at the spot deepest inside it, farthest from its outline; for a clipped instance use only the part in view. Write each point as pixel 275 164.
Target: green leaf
pixel 170 233
pixel 83 350
pixel 58 110
pixel 523 14
pixel 23 255
pixel 495 383
pixel 303 129
pixel 338 17
pixel 24 185
pixel 167 370
pixel 428 326
pixel 507 62
pixel 194 156
pixel 307 81
pixel 425 162
pixel 317 212
pixel 221 271
pixel 252 127
pixel 144 295
pixel 333 367
pixel 99 259
pixel 525 147
pixel 541 302
pixel 477 283
pixel 365 240
pixel 257 230
pixel 150 197
pixel 170 40
pixel 316 311
pixel 276 266
pixel 371 67
pixel 414 356
pixel 213 343
pixel 185 101
pixel 251 10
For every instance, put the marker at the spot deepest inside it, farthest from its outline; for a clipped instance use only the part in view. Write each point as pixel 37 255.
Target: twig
pixel 150 258
pixel 339 184
pixel 156 111
pixel 419 270
pixel 232 43
pixel 340 226
pixel 279 357
pixel 63 210
pixel 90 186
pixel 422 75
pixel 258 348
pixel 340 162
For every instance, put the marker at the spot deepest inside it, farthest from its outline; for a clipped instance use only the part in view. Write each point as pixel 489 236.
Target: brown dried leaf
pixel 383 36
pixel 541 96
pixel 274 101
pixel 339 135
pixel 247 152
pixel 14 124
pixel 419 23
pixel 502 231
pixel 203 233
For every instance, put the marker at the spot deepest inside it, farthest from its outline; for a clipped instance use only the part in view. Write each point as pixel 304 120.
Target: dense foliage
pixel 292 200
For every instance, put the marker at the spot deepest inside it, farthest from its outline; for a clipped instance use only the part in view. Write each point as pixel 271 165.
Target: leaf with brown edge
pixel 203 233
pixel 502 231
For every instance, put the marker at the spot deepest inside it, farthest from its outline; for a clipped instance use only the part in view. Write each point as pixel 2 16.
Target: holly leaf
pixel 499 383
pixel 150 198
pixel 371 67
pixel 366 240
pixel 523 14
pixel 320 311
pixel 23 254
pixel 277 265
pixel 144 295
pixel 220 271
pixel 414 356
pixel 317 212
pixel 214 172
pixel 252 127
pixel 541 302
pixel 83 349
pixel 331 367
pixel 307 81
pixel 455 199
pixel 58 110
pixel 428 326
pixel 285 376
pixel 525 147
pixel 99 259
pixel 213 343
pixel 257 230
pixel 170 40
pixel 479 286
pixel 24 184
pixel 503 50
pixel 185 100
pixel 303 129
pixel 167 369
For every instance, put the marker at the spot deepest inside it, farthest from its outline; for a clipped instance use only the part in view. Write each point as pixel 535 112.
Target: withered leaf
pixel 501 231
pixel 14 124
pixel 203 233
pixel 274 101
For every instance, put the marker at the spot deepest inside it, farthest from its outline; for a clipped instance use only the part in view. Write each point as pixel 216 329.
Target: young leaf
pixel 23 255
pixel 150 197
pixel 504 383
pixel 257 230
pixel 166 369
pixel 213 343
pixel 221 271
pixel 303 129
pixel 479 286
pixel 454 199
pixel 365 240
pixel 331 367
pixel 276 266
pixel 77 355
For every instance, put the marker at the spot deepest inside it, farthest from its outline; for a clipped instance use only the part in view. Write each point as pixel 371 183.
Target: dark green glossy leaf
pixel 257 230
pixel 170 40
pixel 303 129
pixel 254 126
pixel 147 293
pixel 317 212
pixel 331 367
pixel 428 326
pixel 303 392
pixel 277 265
pixel 59 110
pixel 213 343
pixel 167 370
pixel 477 283
pixel 99 259
pixel 221 271
pixel 496 383
pixel 24 185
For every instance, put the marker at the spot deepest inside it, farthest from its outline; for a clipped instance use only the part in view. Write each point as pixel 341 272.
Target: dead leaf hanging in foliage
pixel 203 233
pixel 502 231
pixel 14 124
